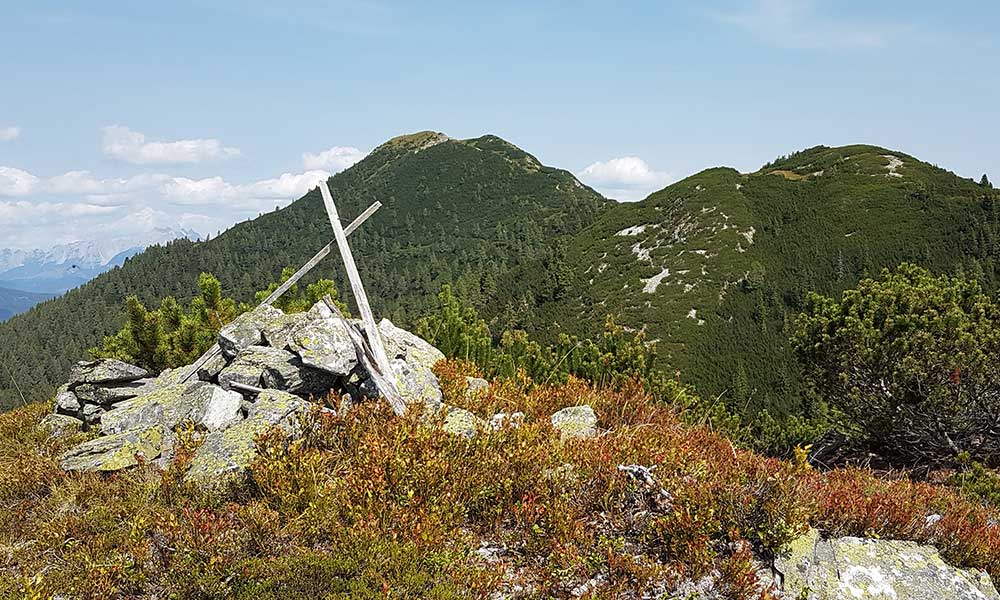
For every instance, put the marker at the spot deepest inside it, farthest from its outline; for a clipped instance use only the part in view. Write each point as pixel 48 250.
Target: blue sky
pixel 119 116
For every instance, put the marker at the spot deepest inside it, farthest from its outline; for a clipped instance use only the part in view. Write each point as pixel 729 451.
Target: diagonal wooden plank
pixel 284 287
pixel 360 297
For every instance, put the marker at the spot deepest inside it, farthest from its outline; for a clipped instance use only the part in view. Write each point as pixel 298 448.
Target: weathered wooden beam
pixel 360 297
pixel 284 287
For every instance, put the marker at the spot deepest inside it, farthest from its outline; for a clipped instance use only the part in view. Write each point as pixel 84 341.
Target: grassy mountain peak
pixel 468 213
pixel 715 266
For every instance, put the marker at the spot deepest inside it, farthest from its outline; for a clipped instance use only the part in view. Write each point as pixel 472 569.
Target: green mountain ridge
pixel 466 212
pixel 715 267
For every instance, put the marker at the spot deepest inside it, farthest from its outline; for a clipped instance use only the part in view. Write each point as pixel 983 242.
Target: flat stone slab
pixel 114 452
pixel 167 407
pixel 105 370
pixel 264 366
pixel 108 394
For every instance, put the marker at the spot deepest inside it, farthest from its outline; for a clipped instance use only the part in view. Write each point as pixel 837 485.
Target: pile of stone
pixel 270 365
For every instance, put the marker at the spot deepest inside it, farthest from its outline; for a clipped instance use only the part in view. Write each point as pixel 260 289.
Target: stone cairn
pixel 260 375
pixel 270 364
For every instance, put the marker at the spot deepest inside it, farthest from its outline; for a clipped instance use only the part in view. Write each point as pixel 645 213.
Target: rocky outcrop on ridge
pixel 270 365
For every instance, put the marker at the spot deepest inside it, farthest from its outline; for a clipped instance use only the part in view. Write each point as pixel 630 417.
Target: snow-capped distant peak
pixel 66 265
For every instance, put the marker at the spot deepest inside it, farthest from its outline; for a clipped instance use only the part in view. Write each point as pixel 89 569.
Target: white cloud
pixel 9 133
pixel 131 146
pixel 334 160
pixel 15 182
pixel 41 211
pixel 803 24
pixel 625 178
pixel 254 196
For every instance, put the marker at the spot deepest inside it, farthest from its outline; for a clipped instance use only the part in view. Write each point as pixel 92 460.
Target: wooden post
pixel 284 287
pixel 374 337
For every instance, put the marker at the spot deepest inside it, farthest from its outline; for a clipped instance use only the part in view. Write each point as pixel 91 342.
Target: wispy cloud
pixel 805 24
pixel 335 159
pixel 625 178
pixel 131 146
pixel 9 133
pixel 37 210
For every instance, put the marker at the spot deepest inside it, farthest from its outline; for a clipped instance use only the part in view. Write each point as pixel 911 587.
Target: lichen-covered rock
pixel 476 386
pixel 857 568
pixel 263 366
pixel 227 454
pixel 400 343
pixel 247 329
pixel 174 376
pixel 167 406
pixel 108 394
pixel 215 408
pixel 417 384
pixel 458 421
pixel 114 452
pixel 105 370
pixel 279 331
pixel 60 425
pixel 67 403
pixel 274 407
pixel 211 369
pixel 411 359
pixel 91 414
pixel 325 344
pixel 575 422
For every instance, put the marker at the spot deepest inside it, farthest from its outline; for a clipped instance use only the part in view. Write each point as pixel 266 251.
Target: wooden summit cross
pixel 371 351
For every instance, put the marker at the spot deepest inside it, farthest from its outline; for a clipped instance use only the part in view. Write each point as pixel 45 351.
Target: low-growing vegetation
pixel 372 505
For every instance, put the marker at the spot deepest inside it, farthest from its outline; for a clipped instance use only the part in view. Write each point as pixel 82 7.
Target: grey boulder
pixel 247 329
pixel 325 344
pixel 575 422
pixel 114 452
pixel 274 368
pixel 105 370
pixel 461 422
pixel 412 359
pixel 59 425
pixel 211 369
pixel 67 403
pixel 226 454
pixel 168 406
pixel 813 568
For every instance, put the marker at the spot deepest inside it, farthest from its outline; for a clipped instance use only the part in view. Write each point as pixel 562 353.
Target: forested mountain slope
pixel 471 213
pixel 715 267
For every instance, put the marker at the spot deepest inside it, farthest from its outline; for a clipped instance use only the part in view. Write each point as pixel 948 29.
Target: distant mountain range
pixel 66 266
pixel 14 302
pixel 714 268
